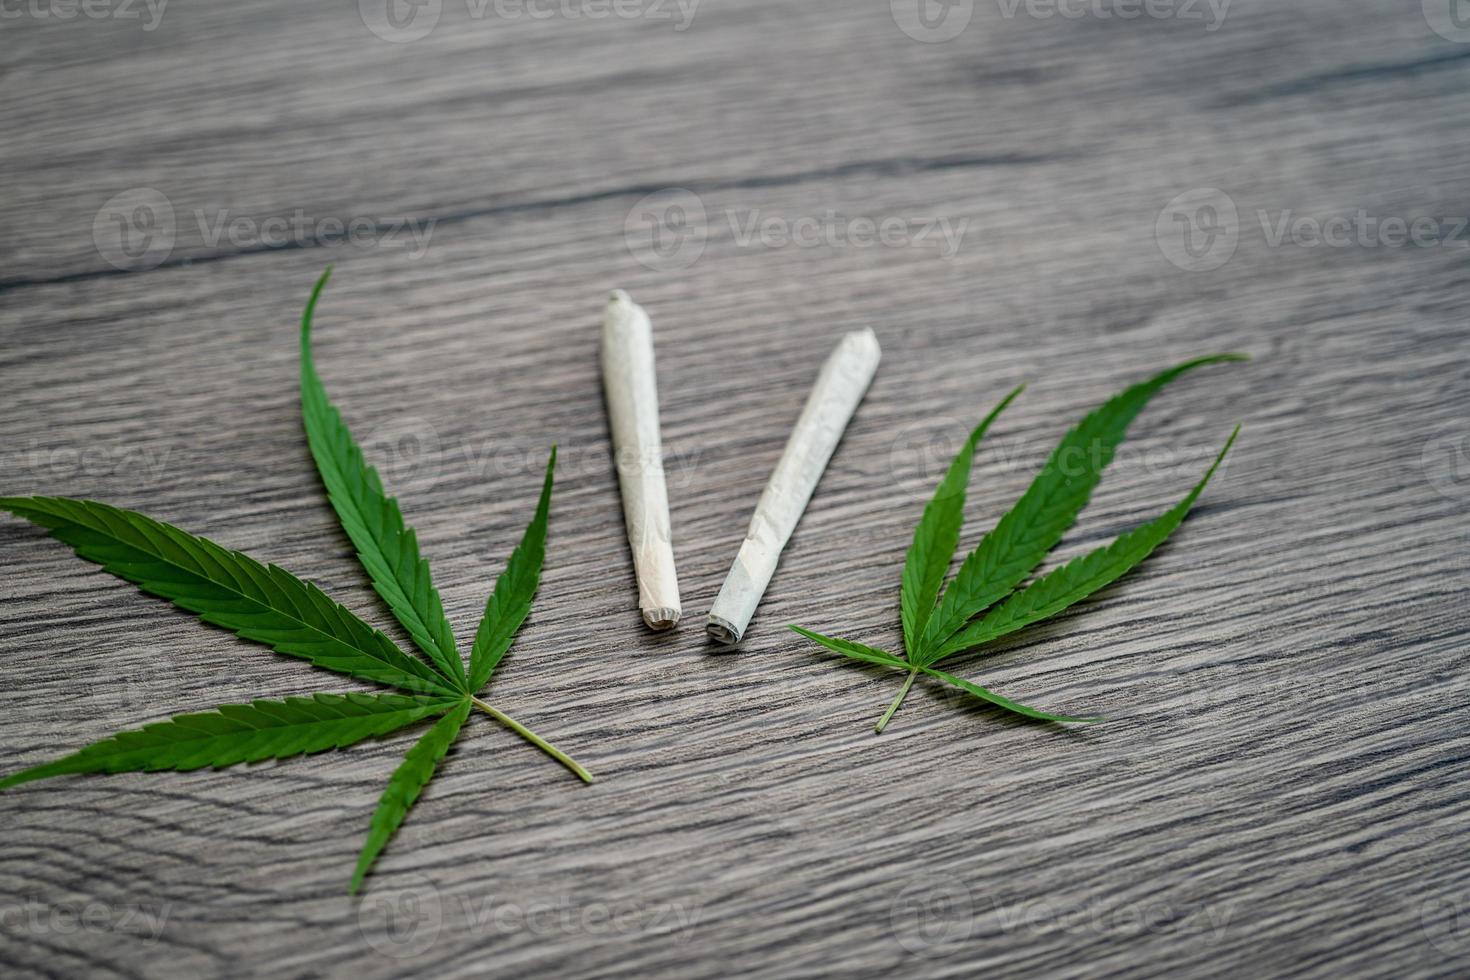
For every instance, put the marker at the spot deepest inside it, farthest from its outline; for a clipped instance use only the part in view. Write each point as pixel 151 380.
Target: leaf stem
pixel 902 693
pixel 534 739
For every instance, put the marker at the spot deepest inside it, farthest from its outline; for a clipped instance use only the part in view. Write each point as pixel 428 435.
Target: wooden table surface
pixel 1072 198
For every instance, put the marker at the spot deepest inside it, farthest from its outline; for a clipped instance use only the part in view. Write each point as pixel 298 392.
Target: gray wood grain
pixel 1279 788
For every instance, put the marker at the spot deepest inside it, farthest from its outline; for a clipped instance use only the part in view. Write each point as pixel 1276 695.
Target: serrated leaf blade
pixel 938 535
pixel 405 785
pixel 1034 525
pixel 1080 577
pixel 387 548
pixel 855 650
pixel 257 602
pixel 1000 701
pixel 234 733
pixel 510 603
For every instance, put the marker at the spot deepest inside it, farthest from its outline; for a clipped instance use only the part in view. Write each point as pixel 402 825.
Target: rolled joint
pixel 632 403
pixel 839 388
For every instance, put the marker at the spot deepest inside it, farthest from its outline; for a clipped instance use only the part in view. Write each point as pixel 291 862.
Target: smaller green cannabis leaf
pixel 270 606
pixel 981 603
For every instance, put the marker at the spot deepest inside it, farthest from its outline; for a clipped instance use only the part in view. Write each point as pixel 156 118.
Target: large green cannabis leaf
pixel 271 606
pixel 981 603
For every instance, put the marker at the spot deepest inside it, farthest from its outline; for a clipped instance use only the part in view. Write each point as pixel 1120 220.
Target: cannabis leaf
pixel 387 548
pixel 272 607
pixel 250 732
pixel 981 604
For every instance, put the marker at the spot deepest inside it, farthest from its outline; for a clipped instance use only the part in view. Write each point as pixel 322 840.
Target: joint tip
pixel 722 631
pixel 663 618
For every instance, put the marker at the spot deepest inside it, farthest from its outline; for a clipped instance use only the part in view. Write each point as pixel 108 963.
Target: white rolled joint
pixel 632 408
pixel 839 390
